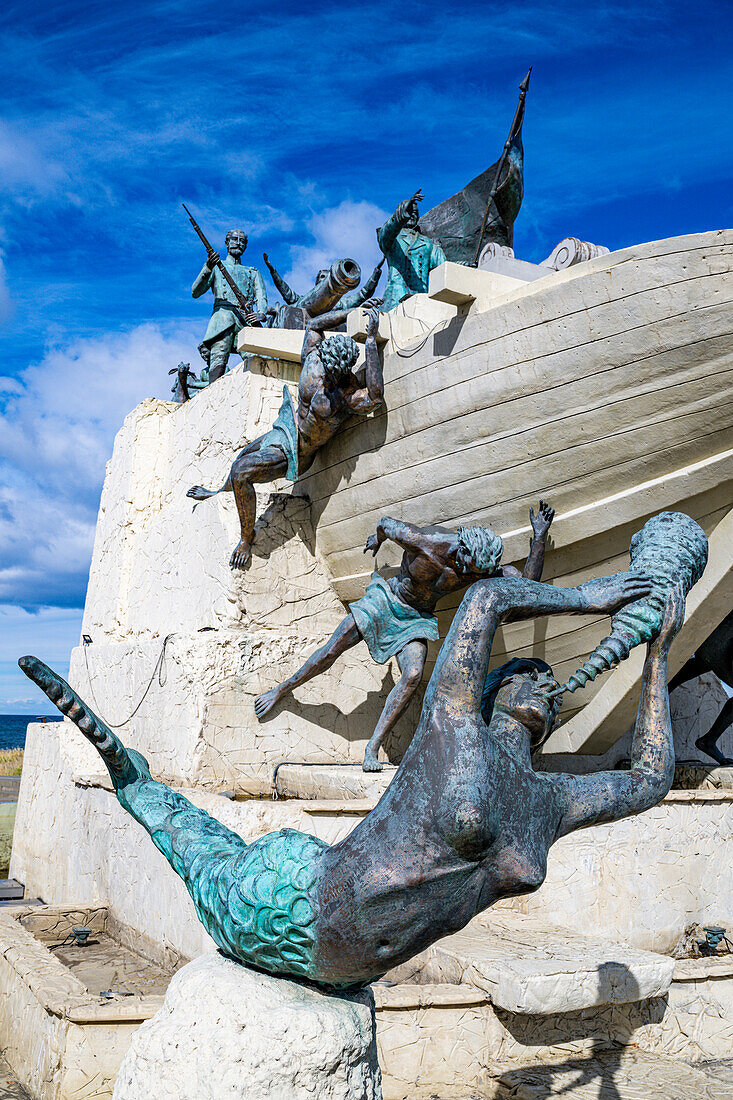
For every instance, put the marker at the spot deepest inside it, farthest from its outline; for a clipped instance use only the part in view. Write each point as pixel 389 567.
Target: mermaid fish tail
pixel 125 766
pixel 256 901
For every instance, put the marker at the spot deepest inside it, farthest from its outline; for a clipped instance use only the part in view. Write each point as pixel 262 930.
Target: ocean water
pixel 13 727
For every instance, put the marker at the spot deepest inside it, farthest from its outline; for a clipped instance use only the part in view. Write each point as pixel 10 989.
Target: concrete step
pixel 342 781
pixel 619 1074
pixel 530 967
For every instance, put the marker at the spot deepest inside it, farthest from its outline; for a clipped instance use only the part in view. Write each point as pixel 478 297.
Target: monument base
pixel 226 1030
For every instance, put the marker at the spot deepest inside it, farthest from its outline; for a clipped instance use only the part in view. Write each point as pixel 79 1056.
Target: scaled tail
pixel 198 847
pixel 125 766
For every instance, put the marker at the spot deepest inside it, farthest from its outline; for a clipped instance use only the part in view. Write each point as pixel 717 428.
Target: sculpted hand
pixel 212 259
pixel 541 522
pixel 607 594
pixel 416 198
pixel 372 311
pixel 373 543
pixel 674 616
pixel 254 318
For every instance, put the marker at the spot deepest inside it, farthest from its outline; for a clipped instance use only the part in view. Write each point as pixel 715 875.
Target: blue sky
pixel 306 124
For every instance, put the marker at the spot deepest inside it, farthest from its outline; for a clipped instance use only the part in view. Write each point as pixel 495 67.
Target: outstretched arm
pixel 389 232
pixel 436 544
pixel 372 395
pixel 541 522
pixel 609 796
pixel 463 661
pixel 288 294
pixel 317 326
pixel 351 301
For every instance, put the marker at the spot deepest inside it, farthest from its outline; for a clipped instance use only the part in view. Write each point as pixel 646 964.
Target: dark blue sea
pixel 13 727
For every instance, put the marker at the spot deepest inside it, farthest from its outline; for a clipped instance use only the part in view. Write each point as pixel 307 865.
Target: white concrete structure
pixel 227 1031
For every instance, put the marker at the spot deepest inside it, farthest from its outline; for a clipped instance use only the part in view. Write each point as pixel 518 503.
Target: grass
pixel 11 761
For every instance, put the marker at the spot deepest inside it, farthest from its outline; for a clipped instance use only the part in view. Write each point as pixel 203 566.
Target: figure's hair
pixel 484 546
pixel 496 677
pixel 231 234
pixel 338 354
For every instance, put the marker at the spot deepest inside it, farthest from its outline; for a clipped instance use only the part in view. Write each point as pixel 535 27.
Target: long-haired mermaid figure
pixel 465 821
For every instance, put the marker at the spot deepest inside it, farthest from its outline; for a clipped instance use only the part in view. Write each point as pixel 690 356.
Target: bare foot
pixel 371 764
pixel 710 748
pixel 240 557
pixel 199 493
pixel 265 702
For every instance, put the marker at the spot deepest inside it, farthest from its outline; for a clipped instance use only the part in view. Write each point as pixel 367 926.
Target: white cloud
pixel 57 426
pixel 348 229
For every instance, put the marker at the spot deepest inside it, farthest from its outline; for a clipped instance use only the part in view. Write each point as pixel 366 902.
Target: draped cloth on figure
pixel 387 624
pixel 284 434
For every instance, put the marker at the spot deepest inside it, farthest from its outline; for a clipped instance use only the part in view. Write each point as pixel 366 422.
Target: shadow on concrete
pixel 596 1072
pixel 359 723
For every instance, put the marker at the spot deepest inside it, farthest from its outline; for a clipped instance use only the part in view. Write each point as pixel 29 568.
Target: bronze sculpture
pixel 228 315
pixel 396 618
pixel 328 393
pixel 485 210
pixel 320 298
pixel 410 255
pixel 714 655
pixel 465 821
pixel 670 549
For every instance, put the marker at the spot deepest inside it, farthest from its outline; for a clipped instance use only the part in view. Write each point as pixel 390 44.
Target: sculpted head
pixel 412 215
pixel 236 242
pixel 479 551
pixel 518 689
pixel 339 354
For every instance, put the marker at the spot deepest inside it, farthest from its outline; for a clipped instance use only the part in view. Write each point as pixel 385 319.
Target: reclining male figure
pixel 328 393
pixel 396 618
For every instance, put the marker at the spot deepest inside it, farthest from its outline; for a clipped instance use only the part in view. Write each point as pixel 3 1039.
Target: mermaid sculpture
pixel 670 549
pixel 465 821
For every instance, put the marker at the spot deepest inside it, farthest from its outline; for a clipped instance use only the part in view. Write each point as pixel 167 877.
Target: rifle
pixel 507 146
pixel 248 307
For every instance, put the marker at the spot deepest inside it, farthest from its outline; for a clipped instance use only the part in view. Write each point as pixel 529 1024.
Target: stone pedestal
pixel 228 1031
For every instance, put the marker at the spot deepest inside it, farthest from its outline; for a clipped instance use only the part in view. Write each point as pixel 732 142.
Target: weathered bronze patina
pixel 487 207
pixel 330 287
pixel 410 254
pixel 240 298
pixel 396 618
pixel 465 821
pixel 671 549
pixel 328 393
